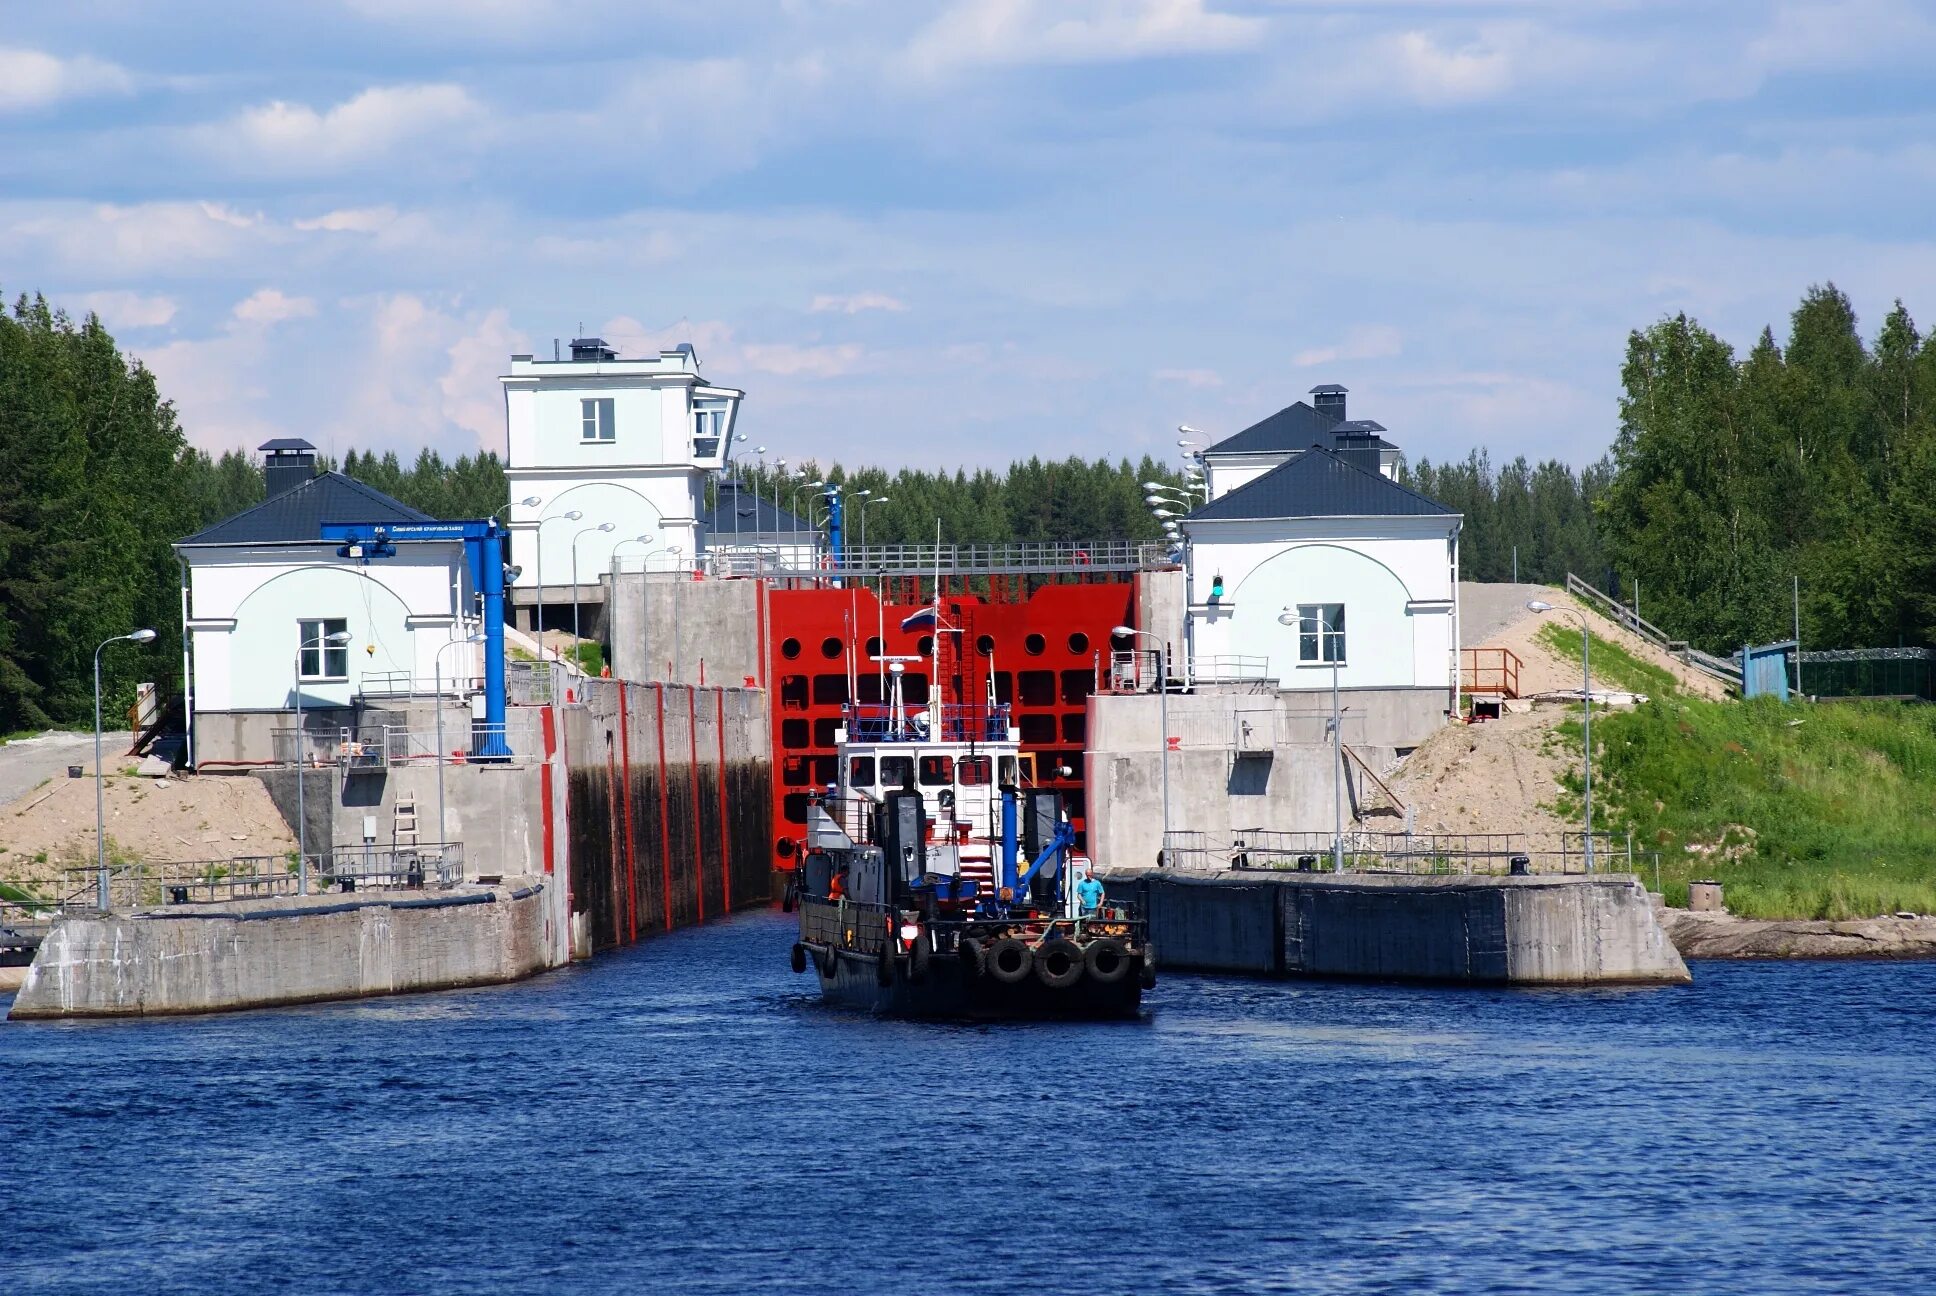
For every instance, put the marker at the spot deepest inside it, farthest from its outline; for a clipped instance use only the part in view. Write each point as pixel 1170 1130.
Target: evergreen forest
pixel 1732 482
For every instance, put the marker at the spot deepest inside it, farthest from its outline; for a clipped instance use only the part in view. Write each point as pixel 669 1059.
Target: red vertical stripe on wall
pixel 665 812
pixel 624 790
pixel 698 836
pixel 545 723
pixel 725 837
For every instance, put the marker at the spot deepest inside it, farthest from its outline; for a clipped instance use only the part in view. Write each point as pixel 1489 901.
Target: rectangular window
pixel 975 771
pixel 897 772
pixel 937 770
pixel 1320 632
pixel 596 413
pixel 323 661
pixel 860 771
pixel 707 425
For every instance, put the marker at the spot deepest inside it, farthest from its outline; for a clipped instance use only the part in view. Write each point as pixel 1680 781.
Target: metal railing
pixel 1489 670
pixel 402 684
pixel 977 558
pixel 959 723
pixel 530 683
pixel 1136 670
pixel 147 883
pixel 1397 852
pixel 1620 614
pixel 1228 668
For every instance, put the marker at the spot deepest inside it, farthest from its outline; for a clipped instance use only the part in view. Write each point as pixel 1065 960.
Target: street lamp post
pixel 437 668
pixel 1289 617
pixel 576 537
pixel 645 540
pixel 537 618
pixel 865 505
pixel 1162 718
pixel 1586 701
pixel 321 643
pixel 141 636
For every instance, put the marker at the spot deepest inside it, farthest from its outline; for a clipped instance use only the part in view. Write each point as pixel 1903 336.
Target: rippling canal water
pixel 684 1116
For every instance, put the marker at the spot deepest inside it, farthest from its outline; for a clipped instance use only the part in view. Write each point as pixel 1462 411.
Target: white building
pixel 625 442
pixel 1306 518
pixel 261 589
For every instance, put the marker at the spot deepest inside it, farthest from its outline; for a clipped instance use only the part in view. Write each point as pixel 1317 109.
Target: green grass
pixel 590 657
pixel 1801 811
pixel 1613 666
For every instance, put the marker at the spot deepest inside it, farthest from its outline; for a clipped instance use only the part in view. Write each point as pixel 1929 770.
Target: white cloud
pixel 296 138
pixel 106 241
pixel 353 220
pixel 33 79
pixel 723 356
pixel 268 306
pixel 855 303
pixel 1362 342
pixel 1436 75
pixel 1198 378
pixel 1075 31
pixel 472 398
pixel 791 360
pixel 122 309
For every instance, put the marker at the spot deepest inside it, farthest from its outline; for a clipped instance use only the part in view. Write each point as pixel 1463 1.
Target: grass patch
pixel 1612 664
pixel 590 657
pixel 1800 811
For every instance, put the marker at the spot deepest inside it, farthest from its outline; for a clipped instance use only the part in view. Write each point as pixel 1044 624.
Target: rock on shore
pixel 1721 935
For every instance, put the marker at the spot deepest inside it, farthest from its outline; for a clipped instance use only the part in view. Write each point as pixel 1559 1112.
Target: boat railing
pixel 959 722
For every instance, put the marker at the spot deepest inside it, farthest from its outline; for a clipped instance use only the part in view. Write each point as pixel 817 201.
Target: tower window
pixel 596 417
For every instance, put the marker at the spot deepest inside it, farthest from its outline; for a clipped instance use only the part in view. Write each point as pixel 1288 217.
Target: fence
pixel 144 884
pixel 402 684
pixel 1396 852
pixel 1137 670
pixel 1489 670
pixel 1870 672
pixel 380 746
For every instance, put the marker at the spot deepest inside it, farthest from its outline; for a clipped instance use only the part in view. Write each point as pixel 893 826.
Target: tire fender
pixel 1010 961
pixel 1107 961
pixel 1059 963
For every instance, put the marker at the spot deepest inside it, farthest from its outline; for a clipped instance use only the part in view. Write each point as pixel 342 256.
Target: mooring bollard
pixel 1520 866
pixel 1705 897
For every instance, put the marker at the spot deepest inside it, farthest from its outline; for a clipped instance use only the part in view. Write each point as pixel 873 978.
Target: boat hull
pixel 947 990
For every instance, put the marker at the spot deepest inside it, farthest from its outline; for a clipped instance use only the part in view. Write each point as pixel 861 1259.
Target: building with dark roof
pixel 264 598
pixel 1309 555
pixel 745 532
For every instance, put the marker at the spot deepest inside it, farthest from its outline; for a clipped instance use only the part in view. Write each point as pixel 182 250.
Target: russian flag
pixel 925 617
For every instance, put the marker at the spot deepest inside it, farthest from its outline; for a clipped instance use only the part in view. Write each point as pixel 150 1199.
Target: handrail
pixel 1625 617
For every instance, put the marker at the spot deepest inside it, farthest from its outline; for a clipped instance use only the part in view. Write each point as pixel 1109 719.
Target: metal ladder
pixel 403 827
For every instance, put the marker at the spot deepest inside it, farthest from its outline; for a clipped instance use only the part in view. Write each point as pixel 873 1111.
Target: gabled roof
pixel 298 513
pixel 757 516
pixel 1291 428
pixel 1317 483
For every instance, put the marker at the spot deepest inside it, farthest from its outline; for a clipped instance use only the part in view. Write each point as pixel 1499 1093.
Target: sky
pixel 956 233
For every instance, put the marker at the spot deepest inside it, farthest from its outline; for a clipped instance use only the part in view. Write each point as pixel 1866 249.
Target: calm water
pixel 685 1117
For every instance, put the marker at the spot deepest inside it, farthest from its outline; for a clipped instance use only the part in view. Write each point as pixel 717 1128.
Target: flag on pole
pixel 924 618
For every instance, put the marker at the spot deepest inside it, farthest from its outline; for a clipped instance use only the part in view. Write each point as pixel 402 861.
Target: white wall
pixel 635 502
pixel 1225 473
pixel 1398 590
pixel 399 612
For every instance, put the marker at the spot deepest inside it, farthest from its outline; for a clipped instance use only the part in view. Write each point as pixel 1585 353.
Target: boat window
pixel 860 771
pixel 897 771
pixel 974 771
pixel 1008 771
pixel 937 770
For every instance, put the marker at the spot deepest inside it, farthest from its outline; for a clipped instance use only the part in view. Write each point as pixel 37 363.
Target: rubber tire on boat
pixel 1063 953
pixel 1149 966
pixel 1024 960
pixel 825 961
pixel 1107 961
pixel 919 956
pixel 973 961
pixel 799 958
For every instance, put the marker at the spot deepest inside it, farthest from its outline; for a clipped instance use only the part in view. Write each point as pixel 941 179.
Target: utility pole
pixel 1798 632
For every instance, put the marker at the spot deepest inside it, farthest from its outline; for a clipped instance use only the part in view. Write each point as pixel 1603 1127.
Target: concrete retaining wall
pixel 1487 930
pixel 197 959
pixel 668 626
pixel 670 801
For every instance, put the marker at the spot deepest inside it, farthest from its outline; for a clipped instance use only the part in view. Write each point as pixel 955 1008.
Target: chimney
pixel 1358 443
pixel 591 348
pixel 1328 398
pixel 289 462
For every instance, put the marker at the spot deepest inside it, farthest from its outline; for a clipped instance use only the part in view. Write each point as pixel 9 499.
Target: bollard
pixel 1520 865
pixel 1307 863
pixel 1705 897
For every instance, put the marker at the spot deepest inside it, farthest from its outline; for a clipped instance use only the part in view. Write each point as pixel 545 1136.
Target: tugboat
pixel 972 910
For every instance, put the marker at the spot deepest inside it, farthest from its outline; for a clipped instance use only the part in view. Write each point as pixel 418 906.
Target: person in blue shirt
pixel 1089 893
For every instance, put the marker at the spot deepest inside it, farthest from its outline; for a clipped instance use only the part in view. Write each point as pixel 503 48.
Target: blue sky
pixel 955 233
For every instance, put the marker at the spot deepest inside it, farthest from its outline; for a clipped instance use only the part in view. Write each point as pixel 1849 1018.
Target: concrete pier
pixel 258 954
pixel 1538 930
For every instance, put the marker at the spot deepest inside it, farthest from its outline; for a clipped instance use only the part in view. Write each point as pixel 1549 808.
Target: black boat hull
pixel 947 990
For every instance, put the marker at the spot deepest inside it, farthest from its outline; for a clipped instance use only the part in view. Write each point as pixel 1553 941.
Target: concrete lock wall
pixel 669 802
pixel 669 626
pixel 1504 930
pixel 194 960
pixel 1244 759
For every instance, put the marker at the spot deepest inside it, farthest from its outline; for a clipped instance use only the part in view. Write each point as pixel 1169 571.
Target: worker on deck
pixel 1089 893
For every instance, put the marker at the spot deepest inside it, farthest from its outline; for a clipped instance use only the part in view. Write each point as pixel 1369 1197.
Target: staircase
pixel 1620 614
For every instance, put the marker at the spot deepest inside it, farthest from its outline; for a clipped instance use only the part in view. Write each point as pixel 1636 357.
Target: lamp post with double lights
pixel 606 527
pixel 575 515
pixel 1586 700
pixel 322 644
pixel 864 506
pixel 142 636
pixel 1162 719
pixel 1289 617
